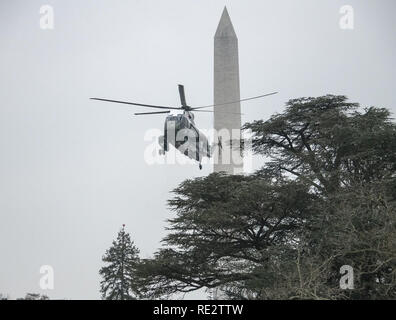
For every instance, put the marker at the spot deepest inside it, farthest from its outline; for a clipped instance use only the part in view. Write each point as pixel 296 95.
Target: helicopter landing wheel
pixel 200 166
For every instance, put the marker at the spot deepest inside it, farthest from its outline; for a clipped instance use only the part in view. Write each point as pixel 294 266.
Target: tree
pixel 224 232
pixel 4 297
pixel 325 198
pixel 360 231
pixel 34 296
pixel 121 260
pixel 327 143
pixel 349 159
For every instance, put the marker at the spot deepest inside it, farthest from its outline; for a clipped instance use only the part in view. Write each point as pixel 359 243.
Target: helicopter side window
pixel 176 119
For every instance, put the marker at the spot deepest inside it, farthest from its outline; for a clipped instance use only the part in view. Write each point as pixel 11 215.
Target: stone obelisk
pixel 227 117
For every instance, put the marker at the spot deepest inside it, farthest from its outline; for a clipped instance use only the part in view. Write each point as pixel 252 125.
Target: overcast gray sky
pixel 72 170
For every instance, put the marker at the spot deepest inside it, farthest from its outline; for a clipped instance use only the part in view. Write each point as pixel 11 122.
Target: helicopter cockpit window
pixel 185 123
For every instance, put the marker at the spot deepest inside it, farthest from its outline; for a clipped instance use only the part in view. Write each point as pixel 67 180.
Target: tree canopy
pixel 325 198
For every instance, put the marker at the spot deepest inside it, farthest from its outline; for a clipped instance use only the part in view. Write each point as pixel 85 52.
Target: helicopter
pixel 180 130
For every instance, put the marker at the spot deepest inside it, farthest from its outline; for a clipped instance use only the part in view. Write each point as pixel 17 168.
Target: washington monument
pixel 227 118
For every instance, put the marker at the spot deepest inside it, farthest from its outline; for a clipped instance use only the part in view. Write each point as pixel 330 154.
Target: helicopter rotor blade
pixel 211 111
pixel 146 113
pixel 182 95
pixel 231 102
pixel 136 104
